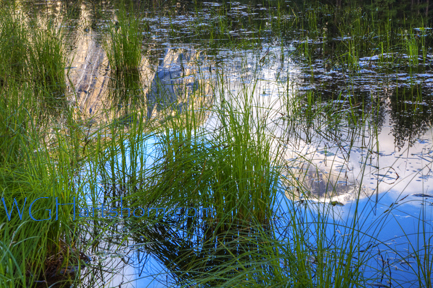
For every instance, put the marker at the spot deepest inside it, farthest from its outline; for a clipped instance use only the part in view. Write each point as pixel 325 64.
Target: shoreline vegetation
pixel 184 125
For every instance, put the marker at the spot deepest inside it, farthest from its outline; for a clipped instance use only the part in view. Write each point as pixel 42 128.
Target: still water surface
pixel 385 162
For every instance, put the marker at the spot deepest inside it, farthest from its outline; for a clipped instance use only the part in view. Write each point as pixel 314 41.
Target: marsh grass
pixel 233 171
pixel 33 88
pixel 245 179
pixel 29 172
pixel 14 45
pixel 255 257
pixel 125 41
pixel 47 63
pixel 230 170
pixel 32 54
pixel 309 246
pixel 173 161
pixel 343 35
pixel 14 124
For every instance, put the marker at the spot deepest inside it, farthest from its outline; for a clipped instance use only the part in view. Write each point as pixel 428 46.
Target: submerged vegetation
pixel 271 119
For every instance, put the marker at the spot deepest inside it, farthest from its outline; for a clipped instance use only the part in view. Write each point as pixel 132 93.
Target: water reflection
pixel 411 115
pixel 378 153
pixel 177 80
pixel 170 252
pixel 155 86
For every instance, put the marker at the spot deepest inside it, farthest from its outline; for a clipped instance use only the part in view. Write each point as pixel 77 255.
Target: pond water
pixel 353 142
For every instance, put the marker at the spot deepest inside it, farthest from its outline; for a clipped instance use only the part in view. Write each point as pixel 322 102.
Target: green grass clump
pixel 33 84
pixel 34 55
pixel 231 170
pixel 47 65
pixel 14 125
pixel 30 171
pixel 245 179
pixel 124 45
pixel 14 46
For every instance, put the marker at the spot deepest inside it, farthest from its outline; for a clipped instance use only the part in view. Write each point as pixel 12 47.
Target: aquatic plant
pixel 160 149
pixel 46 64
pixel 14 45
pixel 125 41
pixel 34 87
pixel 27 173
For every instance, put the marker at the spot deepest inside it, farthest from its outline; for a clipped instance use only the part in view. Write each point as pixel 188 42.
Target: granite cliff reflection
pixel 103 96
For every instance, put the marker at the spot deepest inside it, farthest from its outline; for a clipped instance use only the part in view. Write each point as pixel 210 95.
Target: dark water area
pixel 344 89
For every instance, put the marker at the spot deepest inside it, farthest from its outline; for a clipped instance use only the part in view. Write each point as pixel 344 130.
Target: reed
pixel 125 41
pixel 14 44
pixel 35 86
pixel 29 171
pixel 160 152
